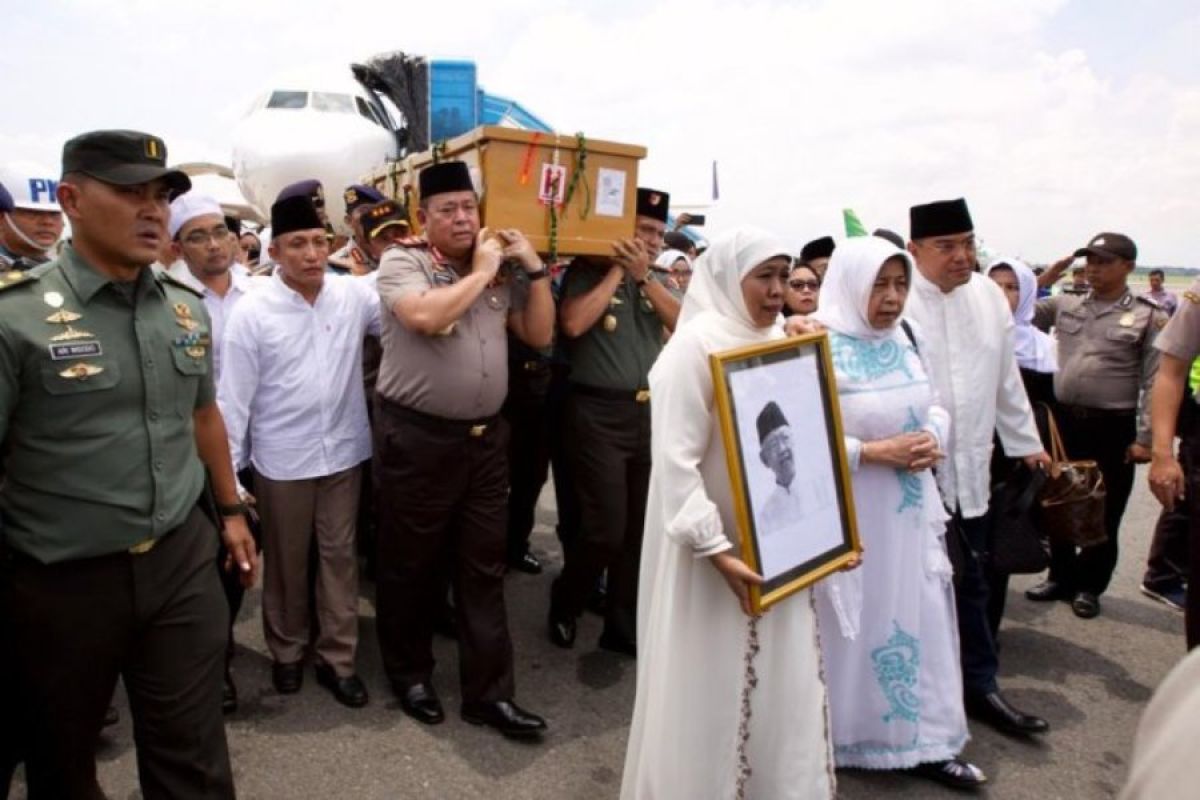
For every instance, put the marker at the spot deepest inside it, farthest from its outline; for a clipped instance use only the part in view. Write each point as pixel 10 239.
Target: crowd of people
pixel 188 404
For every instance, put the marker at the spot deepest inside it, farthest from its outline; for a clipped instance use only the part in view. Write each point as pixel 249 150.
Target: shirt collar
pixel 85 280
pixel 291 294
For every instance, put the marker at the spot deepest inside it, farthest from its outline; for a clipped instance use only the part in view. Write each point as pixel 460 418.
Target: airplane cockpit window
pixel 329 101
pixel 284 99
pixel 366 111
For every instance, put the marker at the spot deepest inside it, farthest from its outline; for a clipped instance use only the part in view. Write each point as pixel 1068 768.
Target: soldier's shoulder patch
pixel 170 280
pixel 18 277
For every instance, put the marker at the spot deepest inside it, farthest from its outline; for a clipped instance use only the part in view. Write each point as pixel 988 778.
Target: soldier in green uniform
pixel 613 317
pixel 1106 366
pixel 108 417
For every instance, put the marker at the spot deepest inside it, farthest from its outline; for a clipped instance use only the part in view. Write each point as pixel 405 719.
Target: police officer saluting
pixel 107 410
pixel 613 318
pixel 1107 361
pixel 442 446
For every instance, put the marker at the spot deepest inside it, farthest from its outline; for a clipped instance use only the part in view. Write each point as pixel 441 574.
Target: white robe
pixel 692 633
pixel 970 348
pixel 895 688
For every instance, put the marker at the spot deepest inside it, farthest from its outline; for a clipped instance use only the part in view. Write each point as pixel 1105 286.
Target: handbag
pixel 1071 503
pixel 1017 547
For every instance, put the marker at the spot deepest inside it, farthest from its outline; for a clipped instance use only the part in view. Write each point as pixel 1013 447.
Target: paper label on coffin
pixel 610 192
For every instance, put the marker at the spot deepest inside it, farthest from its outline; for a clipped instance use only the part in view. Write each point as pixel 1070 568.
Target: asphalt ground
pixel 1089 678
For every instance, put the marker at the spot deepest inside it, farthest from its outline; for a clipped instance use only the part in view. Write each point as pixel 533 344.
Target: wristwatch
pixel 231 510
pixel 544 272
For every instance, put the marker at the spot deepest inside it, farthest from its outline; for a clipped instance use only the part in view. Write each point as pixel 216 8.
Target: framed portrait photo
pixel 782 428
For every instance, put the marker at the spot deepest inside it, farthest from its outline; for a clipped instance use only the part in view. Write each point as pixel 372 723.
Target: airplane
pixel 337 128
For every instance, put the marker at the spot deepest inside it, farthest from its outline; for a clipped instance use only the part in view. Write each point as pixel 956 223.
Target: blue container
pixel 453 99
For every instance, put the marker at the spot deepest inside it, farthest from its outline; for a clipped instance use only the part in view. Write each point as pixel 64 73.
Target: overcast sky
pixel 1055 118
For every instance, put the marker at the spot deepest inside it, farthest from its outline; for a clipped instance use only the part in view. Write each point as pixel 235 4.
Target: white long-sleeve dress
pixel 683 742
pixel 888 629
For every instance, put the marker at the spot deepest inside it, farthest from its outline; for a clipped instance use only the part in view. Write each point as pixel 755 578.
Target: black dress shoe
pixel 993 709
pixel 955 773
pixel 229 698
pixel 527 563
pixel 618 644
pixel 349 691
pixel 1086 605
pixel 111 717
pixel 505 716
pixel 1047 592
pixel 562 632
pixel 288 678
pixel 421 703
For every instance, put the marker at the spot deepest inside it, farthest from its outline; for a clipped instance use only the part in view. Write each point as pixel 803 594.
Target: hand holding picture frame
pixel 782 428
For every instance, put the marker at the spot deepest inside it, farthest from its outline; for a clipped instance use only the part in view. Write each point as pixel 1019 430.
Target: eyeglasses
pixel 805 285
pixel 198 238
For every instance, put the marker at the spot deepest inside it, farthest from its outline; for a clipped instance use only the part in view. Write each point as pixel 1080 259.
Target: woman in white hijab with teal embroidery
pixel 691 735
pixel 891 658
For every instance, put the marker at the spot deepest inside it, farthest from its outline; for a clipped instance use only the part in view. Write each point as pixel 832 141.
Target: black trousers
pixel 159 621
pixel 231 583
pixel 1192 609
pixel 442 514
pixel 1167 563
pixel 610 441
pixel 977 642
pixel 529 440
pixel 1103 438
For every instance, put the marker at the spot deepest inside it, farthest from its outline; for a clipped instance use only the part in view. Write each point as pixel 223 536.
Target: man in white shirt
pixel 968 347
pixel 203 250
pixel 292 379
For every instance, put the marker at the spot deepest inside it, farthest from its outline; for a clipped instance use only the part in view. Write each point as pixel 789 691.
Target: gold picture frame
pixel 794 530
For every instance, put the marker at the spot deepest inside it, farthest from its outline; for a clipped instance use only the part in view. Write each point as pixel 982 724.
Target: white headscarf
pixel 846 290
pixel 667 258
pixel 1034 349
pixel 716 287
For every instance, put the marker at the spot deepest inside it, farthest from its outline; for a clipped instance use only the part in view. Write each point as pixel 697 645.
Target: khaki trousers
pixel 293 512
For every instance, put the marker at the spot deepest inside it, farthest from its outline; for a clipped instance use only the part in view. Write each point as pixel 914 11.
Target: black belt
pixel 634 396
pixel 473 428
pixel 1087 412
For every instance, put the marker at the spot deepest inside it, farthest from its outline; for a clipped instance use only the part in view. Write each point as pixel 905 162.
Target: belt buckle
pixel 477 431
pixel 143 547
pixel 642 396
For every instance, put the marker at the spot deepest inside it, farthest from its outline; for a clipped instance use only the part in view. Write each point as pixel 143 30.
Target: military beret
pixel 358 195
pixel 653 204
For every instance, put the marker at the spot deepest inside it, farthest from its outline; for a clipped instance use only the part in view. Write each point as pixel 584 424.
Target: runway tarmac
pixel 1089 678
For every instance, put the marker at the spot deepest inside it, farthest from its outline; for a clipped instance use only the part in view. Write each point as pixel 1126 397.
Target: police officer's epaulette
pixel 412 242
pixel 164 277
pixel 18 277
pixel 1150 301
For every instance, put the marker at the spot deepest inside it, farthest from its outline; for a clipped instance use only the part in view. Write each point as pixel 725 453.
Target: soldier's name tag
pixel 70 350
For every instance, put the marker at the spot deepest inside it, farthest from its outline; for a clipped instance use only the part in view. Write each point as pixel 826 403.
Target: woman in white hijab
pixel 892 663
pixel 694 632
pixel 678 267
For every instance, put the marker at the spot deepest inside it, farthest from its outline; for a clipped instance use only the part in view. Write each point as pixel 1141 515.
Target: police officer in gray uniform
pixel 109 418
pixel 1107 361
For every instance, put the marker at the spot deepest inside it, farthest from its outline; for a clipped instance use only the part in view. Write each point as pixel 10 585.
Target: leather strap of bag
pixel 1058 453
